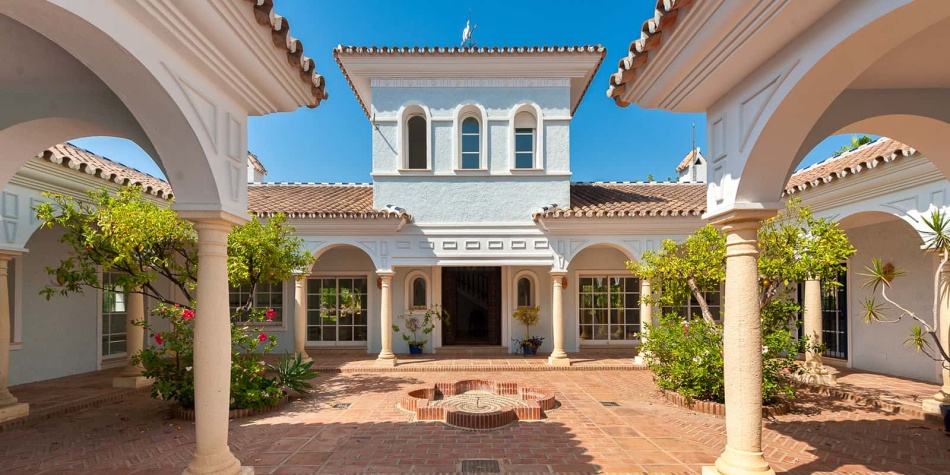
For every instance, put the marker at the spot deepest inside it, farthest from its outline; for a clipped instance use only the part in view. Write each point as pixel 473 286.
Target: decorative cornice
pixel 470 82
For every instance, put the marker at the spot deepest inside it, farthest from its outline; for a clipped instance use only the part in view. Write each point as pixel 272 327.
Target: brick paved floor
pixel 642 434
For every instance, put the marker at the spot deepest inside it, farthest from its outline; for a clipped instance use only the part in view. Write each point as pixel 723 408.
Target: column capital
pixel 558 273
pixel 742 218
pixel 387 274
pixel 210 216
pixel 7 254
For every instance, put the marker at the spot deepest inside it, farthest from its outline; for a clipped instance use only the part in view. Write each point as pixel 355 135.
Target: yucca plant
pixel 924 336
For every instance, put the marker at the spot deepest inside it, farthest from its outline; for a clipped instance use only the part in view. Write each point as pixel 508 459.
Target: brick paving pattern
pixel 320 434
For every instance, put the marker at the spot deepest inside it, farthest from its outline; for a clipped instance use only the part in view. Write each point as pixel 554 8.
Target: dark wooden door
pixel 478 284
pixel 494 306
pixel 449 303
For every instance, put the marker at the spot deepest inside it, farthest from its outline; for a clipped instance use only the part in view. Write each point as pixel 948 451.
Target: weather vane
pixel 467 40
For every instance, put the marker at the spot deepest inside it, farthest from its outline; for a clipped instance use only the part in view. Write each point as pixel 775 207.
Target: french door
pixel 337 313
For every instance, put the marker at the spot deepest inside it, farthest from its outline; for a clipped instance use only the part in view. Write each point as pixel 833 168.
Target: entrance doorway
pixel 472 297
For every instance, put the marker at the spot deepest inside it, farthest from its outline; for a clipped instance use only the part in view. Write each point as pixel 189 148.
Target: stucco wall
pixel 545 327
pixel 60 335
pixel 879 347
pixel 471 199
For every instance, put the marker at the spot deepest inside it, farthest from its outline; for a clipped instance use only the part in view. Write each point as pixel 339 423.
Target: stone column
pixel 300 317
pixel 815 371
pixel 558 356
pixel 10 407
pixel 131 376
pixel 646 316
pixel 742 346
pixel 932 406
pixel 212 352
pixel 386 356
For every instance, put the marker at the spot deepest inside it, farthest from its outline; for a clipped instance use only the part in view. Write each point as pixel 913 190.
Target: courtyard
pixel 350 424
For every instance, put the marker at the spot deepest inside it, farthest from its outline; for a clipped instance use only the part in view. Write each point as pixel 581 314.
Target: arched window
pixel 525 293
pixel 526 143
pixel 416 146
pixel 418 295
pixel 471 144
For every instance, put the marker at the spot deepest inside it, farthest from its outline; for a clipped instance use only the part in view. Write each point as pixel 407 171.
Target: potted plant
pixel 528 316
pixel 420 320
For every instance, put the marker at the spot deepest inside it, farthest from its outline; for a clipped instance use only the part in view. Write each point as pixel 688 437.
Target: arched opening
pixel 470 142
pixel 604 296
pixel 527 134
pixel 341 298
pixel 471 147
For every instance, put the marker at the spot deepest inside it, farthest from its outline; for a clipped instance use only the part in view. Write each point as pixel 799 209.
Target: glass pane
pixel 360 318
pixel 600 332
pixel 524 130
pixel 359 333
pixel 599 316
pixel 346 318
pixel 346 284
pixel 586 317
pixel 360 285
pixel 313 317
pixel 470 161
pixel 117 347
pixel 524 143
pixel 632 316
pixel 117 324
pixel 345 334
pixel 416 148
pixel 329 333
pixel 470 143
pixel 631 300
pixel 617 332
pixel 105 346
pixel 587 332
pixel 524 292
pixel 632 331
pixel 616 316
pixel 419 292
pixel 524 160
pixel 470 126
pixel 314 333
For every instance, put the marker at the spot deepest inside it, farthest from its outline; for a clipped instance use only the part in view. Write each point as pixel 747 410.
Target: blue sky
pixel 332 142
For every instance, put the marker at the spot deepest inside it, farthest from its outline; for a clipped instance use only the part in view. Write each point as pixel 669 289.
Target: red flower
pixel 187 314
pixel 158 338
pixel 270 314
pixel 176 305
pixel 262 337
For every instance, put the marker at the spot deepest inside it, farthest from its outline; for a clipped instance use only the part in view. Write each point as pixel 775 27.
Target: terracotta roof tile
pixel 684 164
pixel 256 163
pixel 280 34
pixel 664 19
pixel 589 200
pixel 80 159
pixel 882 150
pixel 342 50
pixel 317 200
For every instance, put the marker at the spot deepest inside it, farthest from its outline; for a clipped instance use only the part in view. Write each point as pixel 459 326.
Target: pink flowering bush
pixel 170 361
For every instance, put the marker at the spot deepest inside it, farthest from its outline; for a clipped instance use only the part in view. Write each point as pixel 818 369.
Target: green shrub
pixel 686 356
pixel 293 373
pixel 170 359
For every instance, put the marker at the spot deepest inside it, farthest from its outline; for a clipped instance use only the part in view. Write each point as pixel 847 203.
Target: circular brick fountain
pixel 477 404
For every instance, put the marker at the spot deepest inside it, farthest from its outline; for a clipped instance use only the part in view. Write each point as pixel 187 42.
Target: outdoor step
pixel 470 351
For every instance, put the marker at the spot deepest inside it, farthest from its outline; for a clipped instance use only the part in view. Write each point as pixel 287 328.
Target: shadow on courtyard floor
pixel 870 439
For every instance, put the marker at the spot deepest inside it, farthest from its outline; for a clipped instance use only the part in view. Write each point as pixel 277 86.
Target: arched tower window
pixel 418 292
pixel 416 143
pixel 525 293
pixel 471 144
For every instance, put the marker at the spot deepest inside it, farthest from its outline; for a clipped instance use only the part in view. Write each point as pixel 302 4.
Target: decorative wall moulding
pixel 472 82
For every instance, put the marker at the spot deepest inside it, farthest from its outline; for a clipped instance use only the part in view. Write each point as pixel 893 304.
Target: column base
pixel 387 362
pixel 816 374
pixel 132 382
pixel 14 411
pixel 559 361
pixel 223 463
pixel 932 406
pixel 739 462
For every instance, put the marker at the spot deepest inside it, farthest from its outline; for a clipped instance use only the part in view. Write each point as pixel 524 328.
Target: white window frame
pixel 372 318
pixel 576 282
pixel 406 112
pixel 17 296
pixel 286 313
pixel 410 279
pixel 534 110
pixel 107 361
pixel 535 288
pixel 462 112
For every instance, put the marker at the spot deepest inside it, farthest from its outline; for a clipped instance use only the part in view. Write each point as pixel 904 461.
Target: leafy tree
pixel 264 253
pixel 135 238
pixel 650 178
pixel 924 336
pixel 142 242
pixel 855 143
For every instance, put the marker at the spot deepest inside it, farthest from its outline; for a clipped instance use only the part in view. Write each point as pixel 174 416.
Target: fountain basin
pixel 477 404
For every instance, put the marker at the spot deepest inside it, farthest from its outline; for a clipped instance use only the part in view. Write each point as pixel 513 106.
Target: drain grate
pixel 609 404
pixel 480 466
pixel 341 405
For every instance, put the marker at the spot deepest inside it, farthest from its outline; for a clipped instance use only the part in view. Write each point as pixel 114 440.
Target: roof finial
pixel 467 40
pixel 693 150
